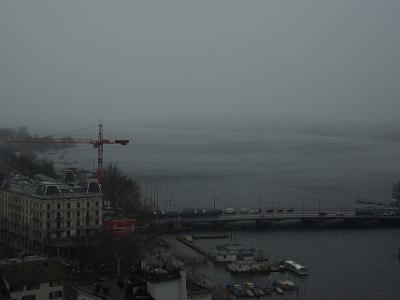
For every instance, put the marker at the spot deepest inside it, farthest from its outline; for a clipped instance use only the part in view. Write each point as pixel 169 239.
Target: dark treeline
pixel 19 155
pixel 28 165
pixel 22 141
pixel 124 193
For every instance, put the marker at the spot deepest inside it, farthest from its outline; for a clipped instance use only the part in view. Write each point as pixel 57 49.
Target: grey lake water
pixel 188 168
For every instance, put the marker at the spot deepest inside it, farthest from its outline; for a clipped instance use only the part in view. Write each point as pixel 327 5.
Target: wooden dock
pixel 196 248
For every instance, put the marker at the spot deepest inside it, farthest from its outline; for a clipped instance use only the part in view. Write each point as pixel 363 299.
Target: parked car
pixel 229 211
pixel 322 213
pixel 388 213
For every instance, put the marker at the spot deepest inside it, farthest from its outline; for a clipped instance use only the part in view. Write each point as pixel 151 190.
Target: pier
pixel 195 247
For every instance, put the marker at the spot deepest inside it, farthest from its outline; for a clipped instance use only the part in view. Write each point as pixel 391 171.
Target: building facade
pixel 36 215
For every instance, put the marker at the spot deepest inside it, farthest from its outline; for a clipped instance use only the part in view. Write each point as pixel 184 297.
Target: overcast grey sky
pixel 73 62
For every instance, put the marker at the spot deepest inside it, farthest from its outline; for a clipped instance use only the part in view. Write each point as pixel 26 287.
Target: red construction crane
pixel 98 143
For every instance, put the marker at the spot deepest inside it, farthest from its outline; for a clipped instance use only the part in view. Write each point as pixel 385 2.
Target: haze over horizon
pixel 68 64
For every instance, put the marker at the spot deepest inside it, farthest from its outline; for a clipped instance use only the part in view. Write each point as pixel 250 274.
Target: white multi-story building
pixel 40 216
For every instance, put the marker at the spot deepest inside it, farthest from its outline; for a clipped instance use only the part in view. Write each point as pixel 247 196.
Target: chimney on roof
pixel 69 176
pixel 92 186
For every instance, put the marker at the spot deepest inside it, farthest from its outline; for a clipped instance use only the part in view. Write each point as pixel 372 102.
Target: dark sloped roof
pixel 161 277
pixel 39 187
pixel 33 272
pixel 196 289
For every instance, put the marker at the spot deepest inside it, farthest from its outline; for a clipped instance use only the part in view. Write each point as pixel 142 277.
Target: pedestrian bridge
pixel 309 215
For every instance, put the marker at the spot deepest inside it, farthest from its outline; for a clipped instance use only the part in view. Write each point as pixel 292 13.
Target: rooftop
pixel 196 289
pixel 44 187
pixel 31 272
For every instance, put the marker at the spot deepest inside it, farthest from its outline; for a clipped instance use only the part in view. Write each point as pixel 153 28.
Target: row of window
pixel 69 214
pixel 38 224
pixel 68 233
pixel 68 224
pixel 78 205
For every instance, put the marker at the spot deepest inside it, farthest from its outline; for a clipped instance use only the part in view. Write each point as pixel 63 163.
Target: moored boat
pixel 295 267
pixel 287 285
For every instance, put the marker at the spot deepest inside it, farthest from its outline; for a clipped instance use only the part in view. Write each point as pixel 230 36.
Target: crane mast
pixel 100 154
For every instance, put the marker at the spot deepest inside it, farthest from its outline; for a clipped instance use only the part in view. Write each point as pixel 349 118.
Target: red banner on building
pixel 122 228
